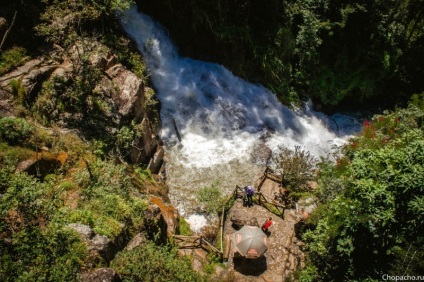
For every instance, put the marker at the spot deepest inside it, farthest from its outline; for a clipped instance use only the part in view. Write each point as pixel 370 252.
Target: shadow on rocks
pixel 254 267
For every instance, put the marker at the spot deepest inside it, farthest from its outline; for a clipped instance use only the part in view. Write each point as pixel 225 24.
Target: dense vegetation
pixel 351 52
pixel 35 238
pixel 371 218
pixel 153 263
pixel 52 179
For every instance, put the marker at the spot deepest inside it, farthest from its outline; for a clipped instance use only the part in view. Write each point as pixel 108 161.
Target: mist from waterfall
pixel 223 120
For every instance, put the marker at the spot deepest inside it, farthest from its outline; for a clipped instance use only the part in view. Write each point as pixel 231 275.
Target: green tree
pixel 368 227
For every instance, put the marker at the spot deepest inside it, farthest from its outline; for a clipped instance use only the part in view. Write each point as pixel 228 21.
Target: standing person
pixel 266 225
pixel 250 193
pixel 244 196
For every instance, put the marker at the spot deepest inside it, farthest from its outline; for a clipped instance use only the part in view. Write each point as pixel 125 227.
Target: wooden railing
pixel 192 242
pixel 269 174
pixel 261 199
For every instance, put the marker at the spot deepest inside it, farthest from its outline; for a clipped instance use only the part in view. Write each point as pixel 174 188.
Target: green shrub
pixel 14 130
pixel 18 90
pixel 308 274
pixel 11 59
pixel 144 175
pixel 108 226
pixel 125 137
pixel 214 260
pixel 417 100
pixel 211 197
pixel 373 213
pixel 14 154
pixel 184 227
pixel 106 197
pixel 297 168
pixel 36 251
pixel 66 215
pixel 154 263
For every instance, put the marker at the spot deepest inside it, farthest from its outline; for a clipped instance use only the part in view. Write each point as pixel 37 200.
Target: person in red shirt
pixel 266 225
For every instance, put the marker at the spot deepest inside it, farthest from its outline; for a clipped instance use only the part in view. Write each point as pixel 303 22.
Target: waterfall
pixel 223 120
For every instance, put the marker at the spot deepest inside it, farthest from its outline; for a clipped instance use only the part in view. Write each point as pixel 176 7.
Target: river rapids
pixel 223 120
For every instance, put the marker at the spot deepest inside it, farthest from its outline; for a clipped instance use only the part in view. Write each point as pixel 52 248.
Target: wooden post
pixel 176 129
pixel 227 247
pixel 222 225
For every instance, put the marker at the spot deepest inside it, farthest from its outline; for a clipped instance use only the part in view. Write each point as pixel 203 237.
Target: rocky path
pixel 284 255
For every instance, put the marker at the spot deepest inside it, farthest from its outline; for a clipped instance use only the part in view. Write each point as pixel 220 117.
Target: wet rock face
pixel 261 153
pixel 129 96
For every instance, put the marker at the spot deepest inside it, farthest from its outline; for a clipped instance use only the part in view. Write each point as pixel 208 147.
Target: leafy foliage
pixel 35 243
pixel 63 21
pixel 184 227
pixel 296 167
pixel 11 59
pixel 212 198
pixel 153 263
pixel 30 251
pixel 336 52
pixel 14 130
pixel 375 216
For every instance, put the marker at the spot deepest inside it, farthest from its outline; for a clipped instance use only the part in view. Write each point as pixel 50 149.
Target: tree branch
pixel 8 30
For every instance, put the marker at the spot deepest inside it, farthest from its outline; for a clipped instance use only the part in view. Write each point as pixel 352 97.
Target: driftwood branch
pixel 8 31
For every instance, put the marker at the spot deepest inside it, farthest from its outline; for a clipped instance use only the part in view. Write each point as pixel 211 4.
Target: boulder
pixel 102 245
pixel 138 240
pixel 129 93
pixel 155 223
pixel 98 245
pixel 100 275
pixel 83 230
pixel 242 217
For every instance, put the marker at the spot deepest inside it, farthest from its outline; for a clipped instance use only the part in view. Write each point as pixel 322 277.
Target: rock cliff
pixel 85 92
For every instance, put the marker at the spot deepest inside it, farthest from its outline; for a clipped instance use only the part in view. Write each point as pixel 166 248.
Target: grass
pixel 15 153
pixel 184 227
pixel 11 59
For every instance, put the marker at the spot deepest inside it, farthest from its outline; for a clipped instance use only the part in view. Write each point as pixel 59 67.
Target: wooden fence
pixel 192 242
pixel 272 205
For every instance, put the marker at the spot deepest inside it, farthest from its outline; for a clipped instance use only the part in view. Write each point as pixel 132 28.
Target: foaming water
pixel 226 123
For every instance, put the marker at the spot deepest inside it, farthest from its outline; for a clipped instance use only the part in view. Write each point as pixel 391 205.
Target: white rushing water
pixel 223 120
